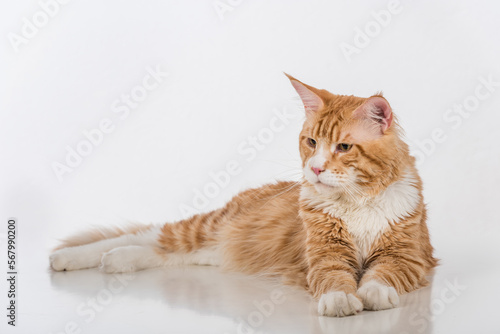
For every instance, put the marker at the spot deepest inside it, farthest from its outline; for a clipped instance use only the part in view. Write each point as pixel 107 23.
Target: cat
pixel 352 232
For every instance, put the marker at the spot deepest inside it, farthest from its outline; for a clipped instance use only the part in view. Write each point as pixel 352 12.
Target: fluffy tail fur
pixel 101 233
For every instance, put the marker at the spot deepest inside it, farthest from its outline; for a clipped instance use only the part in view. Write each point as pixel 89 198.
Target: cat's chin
pixel 326 189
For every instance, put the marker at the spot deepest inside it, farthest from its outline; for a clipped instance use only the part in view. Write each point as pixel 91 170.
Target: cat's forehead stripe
pixel 327 128
pixel 323 130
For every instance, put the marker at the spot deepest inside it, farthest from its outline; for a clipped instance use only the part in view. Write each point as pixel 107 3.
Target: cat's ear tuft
pixel 311 100
pixel 377 110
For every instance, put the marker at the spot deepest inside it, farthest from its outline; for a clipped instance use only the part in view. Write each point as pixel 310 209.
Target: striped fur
pixel 101 233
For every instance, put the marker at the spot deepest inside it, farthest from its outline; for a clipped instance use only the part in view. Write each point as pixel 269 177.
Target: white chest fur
pixel 367 218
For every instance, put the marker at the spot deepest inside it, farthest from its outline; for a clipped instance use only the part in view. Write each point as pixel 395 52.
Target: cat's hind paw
pixel 60 261
pixel 339 304
pixel 119 260
pixel 70 259
pixel 378 296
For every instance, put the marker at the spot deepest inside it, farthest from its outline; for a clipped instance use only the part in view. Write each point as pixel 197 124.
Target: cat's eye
pixel 311 142
pixel 343 147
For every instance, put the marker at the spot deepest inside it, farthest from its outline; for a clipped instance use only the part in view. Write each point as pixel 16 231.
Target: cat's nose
pixel 317 170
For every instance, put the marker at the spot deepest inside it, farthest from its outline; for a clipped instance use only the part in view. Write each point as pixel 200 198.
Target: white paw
pixel 118 260
pixel 60 261
pixel 339 304
pixel 71 259
pixel 378 296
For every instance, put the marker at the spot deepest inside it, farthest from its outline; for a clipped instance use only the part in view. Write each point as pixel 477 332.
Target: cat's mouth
pixel 323 186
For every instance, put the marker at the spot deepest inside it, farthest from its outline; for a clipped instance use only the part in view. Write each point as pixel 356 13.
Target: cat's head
pixel 349 144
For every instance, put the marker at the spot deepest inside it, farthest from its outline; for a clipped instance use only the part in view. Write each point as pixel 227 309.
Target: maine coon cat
pixel 352 232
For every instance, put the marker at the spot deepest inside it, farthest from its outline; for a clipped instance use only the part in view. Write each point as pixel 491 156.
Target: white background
pixel 225 84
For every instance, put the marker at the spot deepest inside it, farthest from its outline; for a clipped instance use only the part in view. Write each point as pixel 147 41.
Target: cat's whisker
pixel 282 191
pixel 282 164
pixel 290 175
pixel 295 184
pixel 348 191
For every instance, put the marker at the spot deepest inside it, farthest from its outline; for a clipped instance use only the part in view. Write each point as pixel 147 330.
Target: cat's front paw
pixel 378 296
pixel 339 304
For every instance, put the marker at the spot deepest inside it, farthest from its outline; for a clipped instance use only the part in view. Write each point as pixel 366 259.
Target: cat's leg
pixel 398 266
pixel 134 258
pixel 189 241
pixel 130 252
pixel 89 255
pixel 332 275
pixel 130 258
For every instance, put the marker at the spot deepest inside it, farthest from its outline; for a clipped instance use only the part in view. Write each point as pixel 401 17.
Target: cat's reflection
pixel 254 304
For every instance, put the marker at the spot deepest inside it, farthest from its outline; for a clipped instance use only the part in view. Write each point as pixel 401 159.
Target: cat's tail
pixel 101 233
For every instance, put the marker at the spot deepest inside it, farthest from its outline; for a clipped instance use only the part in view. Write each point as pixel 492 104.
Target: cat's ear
pixel 375 116
pixel 310 96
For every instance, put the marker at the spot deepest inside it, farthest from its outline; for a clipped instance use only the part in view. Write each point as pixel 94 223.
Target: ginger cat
pixel 353 232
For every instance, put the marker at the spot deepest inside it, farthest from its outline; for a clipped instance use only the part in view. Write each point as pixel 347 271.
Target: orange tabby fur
pixel 280 229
